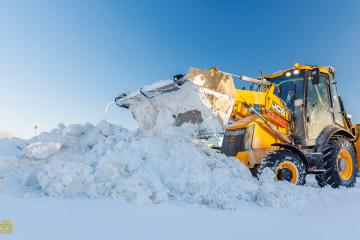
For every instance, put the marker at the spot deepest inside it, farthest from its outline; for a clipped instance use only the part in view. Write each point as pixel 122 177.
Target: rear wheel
pixel 286 165
pixel 340 164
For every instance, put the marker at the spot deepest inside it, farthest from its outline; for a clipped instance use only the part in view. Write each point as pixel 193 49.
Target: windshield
pixel 289 89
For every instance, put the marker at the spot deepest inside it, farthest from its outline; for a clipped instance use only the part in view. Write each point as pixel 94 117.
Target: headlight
pixel 296 71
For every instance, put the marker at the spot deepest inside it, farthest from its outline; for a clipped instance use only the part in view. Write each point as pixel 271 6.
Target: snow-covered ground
pixel 104 181
pixel 44 219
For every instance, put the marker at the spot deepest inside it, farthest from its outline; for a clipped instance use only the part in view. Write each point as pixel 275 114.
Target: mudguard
pixel 328 132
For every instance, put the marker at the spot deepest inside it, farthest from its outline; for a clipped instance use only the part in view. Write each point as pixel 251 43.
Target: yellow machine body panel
pixel 250 158
pixel 271 105
pixel 262 139
pixel 357 144
pixel 247 97
pixel 250 97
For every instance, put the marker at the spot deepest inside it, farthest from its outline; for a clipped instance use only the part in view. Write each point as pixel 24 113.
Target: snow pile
pixel 40 150
pixel 108 161
pixel 8 163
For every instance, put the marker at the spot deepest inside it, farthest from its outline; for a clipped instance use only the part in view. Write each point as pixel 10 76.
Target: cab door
pixel 319 112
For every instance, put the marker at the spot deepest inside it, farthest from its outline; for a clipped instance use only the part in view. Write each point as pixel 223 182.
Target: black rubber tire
pixel 273 159
pixel 331 176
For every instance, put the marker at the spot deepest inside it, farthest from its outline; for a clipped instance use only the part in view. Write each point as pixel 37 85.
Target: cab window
pixel 318 114
pixel 335 103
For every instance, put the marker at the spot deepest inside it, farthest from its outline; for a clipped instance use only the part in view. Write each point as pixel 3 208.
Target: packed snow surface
pixel 108 161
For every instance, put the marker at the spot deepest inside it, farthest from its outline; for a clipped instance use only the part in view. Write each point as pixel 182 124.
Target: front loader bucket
pixel 218 89
pixel 202 97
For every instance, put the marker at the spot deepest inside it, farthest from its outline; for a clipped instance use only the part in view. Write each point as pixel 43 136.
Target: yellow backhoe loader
pixel 292 122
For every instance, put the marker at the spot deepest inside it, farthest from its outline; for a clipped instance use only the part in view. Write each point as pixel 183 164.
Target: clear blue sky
pixel 63 61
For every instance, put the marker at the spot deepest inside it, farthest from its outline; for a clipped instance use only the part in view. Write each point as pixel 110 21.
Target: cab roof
pixel 324 69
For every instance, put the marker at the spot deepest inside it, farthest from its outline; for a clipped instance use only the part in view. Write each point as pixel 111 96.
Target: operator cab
pixel 310 94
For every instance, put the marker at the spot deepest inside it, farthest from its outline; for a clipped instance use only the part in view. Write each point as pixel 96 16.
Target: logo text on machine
pixel 279 109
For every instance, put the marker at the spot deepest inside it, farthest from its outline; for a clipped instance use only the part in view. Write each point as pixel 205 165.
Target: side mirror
pixel 315 76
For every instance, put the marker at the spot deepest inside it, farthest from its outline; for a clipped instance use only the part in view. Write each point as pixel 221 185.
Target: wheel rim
pixel 290 167
pixel 345 164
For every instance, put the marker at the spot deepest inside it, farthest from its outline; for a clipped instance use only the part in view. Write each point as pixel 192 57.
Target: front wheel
pixel 286 165
pixel 340 164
